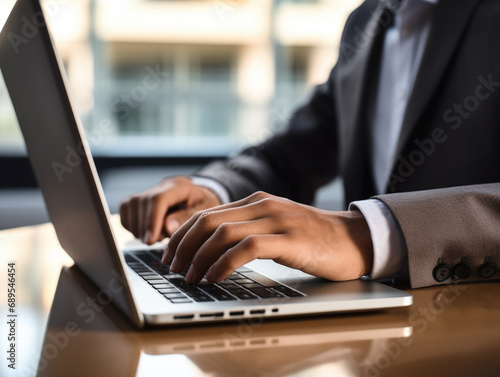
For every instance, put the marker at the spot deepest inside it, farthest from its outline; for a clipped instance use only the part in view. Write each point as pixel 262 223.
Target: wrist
pixel 360 237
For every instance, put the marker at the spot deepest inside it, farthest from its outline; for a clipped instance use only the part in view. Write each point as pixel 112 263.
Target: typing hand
pixel 332 245
pixel 159 211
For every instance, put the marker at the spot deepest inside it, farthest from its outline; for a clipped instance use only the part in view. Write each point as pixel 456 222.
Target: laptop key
pixel 146 257
pixel 177 281
pixel 162 270
pixel 134 264
pixel 156 281
pixel 130 258
pixel 156 265
pixel 173 275
pixel 180 300
pixel 142 268
pixel 145 271
pixel 168 290
pixel 146 274
pixel 174 295
pixel 265 293
pixel 163 285
pixel 198 295
pixel 157 253
pixel 201 298
pixel 242 294
pixel 152 277
pixel 218 293
pixel 191 290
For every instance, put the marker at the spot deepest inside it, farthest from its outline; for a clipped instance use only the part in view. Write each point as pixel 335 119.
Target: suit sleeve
pixel 294 162
pixel 457 227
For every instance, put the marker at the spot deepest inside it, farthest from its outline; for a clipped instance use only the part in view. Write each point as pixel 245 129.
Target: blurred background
pixel 165 86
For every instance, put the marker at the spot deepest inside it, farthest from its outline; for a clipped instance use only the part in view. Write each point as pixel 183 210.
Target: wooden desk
pixel 448 331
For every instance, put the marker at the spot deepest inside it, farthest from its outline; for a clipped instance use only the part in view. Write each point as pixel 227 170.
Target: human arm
pixel 454 226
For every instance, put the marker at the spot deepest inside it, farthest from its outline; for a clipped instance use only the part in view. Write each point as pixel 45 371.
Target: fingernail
pixel 146 237
pixel 172 225
pixel 175 265
pixel 210 273
pixel 164 255
pixel 189 275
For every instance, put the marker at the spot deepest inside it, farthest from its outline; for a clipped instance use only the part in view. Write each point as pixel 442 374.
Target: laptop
pixel 134 279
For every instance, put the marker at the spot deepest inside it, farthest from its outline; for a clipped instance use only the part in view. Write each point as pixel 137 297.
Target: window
pixel 185 78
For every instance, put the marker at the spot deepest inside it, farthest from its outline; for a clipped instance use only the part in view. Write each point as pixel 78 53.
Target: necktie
pixel 402 51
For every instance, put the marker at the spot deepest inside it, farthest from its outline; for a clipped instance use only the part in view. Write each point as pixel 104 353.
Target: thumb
pixel 176 219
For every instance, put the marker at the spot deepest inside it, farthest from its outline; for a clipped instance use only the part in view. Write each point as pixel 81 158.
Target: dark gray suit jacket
pixel 449 141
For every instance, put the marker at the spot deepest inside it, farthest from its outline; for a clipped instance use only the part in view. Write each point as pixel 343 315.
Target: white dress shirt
pixel 403 48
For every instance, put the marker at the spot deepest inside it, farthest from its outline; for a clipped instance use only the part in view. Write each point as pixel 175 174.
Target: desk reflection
pixel 86 339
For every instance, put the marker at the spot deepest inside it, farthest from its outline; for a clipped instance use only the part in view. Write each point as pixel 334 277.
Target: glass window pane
pixel 166 77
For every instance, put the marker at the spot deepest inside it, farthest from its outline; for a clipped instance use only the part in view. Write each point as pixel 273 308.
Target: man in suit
pixel 408 118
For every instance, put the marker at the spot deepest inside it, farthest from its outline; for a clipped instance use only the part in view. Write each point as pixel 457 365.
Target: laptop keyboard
pixel 243 284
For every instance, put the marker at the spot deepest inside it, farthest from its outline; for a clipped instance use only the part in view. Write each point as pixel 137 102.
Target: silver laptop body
pixel 64 168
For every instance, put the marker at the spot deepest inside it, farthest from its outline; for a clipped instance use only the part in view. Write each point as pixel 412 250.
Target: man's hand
pixel 159 211
pixel 332 245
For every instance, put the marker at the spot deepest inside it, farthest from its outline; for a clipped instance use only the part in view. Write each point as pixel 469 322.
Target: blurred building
pixel 165 80
pixel 153 77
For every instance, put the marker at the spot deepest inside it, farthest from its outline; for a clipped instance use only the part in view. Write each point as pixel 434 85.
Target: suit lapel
pixel 359 71
pixel 448 24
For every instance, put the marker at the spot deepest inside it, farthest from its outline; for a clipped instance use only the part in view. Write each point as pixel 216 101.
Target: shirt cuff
pixel 389 250
pixel 213 185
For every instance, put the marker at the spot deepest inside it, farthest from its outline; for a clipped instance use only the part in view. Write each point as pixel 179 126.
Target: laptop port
pixel 258 311
pixel 188 316
pixel 207 315
pixel 237 313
